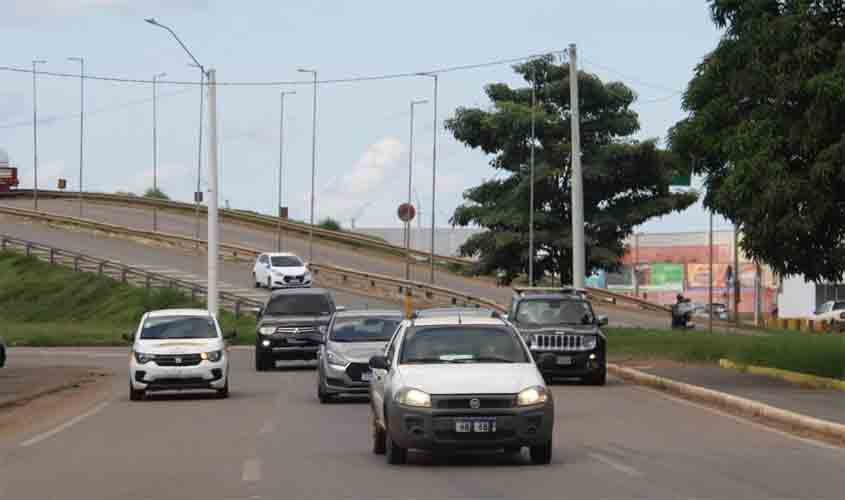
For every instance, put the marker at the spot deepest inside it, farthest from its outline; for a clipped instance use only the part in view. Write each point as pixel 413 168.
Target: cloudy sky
pixel 362 159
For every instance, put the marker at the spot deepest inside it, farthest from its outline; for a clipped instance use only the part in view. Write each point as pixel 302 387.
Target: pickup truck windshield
pixel 178 327
pixel 545 312
pixel 462 344
pixel 298 305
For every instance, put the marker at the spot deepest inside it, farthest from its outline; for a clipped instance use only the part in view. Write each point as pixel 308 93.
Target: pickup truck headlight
pixel 414 397
pixel 589 341
pixel 308 276
pixel 532 396
pixel 143 358
pixel 213 356
pixel 267 330
pixel 321 328
pixel 336 359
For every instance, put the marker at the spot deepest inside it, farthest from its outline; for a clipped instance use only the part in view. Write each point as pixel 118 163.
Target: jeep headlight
pixel 589 342
pixel 213 356
pixel 336 359
pixel 267 330
pixel 532 396
pixel 414 397
pixel 143 358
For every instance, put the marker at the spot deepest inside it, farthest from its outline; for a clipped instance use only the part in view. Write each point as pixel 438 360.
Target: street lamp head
pixel 159 75
pixel 303 70
pixel 39 61
pixel 75 59
pixel 152 21
pixel 288 92
pixel 419 101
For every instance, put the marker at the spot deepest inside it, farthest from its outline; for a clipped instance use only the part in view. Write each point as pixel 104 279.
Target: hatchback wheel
pixel 224 392
pixel 135 395
pixel 396 455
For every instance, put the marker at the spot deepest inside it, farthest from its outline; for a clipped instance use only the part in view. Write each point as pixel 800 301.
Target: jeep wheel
pixel 379 444
pixel 542 454
pixel 395 454
pixel 599 378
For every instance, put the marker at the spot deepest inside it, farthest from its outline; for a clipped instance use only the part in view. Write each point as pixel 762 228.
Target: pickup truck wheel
pixel 542 454
pixel 395 454
pixel 379 444
pixel 270 284
pixel 261 363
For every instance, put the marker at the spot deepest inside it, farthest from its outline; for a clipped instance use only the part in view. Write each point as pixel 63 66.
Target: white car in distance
pixel 280 270
pixel 178 349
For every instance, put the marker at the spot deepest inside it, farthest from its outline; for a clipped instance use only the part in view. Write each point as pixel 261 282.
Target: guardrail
pixel 245 218
pixel 127 274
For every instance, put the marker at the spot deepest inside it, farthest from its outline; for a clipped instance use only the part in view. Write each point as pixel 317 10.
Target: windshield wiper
pixel 412 361
pixel 486 359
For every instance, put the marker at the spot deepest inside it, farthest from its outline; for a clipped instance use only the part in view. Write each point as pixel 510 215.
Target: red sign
pixel 407 212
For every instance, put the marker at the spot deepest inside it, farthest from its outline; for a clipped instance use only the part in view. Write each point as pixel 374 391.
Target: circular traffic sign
pixel 406 212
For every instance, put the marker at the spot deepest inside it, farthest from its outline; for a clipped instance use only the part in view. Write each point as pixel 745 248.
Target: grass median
pixel 815 354
pixel 49 305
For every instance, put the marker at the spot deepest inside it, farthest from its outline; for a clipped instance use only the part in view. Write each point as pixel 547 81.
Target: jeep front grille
pixel 553 342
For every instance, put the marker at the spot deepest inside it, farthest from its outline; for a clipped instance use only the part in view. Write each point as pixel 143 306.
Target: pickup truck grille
pixel 554 342
pixel 296 330
pixel 465 402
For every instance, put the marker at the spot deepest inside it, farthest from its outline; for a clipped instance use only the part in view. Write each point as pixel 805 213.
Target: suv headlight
pixel 143 358
pixel 589 341
pixel 414 397
pixel 336 359
pixel 321 328
pixel 213 356
pixel 267 330
pixel 532 396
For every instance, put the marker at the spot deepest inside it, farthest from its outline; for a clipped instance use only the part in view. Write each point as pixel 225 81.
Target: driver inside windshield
pixel 554 312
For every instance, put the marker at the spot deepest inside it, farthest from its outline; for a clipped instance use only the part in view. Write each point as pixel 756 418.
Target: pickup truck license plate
pixel 564 360
pixel 367 376
pixel 475 426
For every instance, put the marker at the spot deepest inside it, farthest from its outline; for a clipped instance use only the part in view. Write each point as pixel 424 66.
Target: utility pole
pixel 35 134
pixel 737 284
pixel 155 146
pixel 636 267
pixel 212 193
pixel 81 62
pixel 313 162
pixel 531 181
pixel 281 163
pixel 197 193
pixel 410 178
pixel 578 246
pixel 710 273
pixel 433 180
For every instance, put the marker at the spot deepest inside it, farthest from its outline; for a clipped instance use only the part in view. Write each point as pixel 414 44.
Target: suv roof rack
pixel 566 290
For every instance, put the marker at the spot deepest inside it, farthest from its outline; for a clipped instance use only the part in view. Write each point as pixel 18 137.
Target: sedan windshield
pixel 364 329
pixel 285 261
pixel 178 327
pixel 294 305
pixel 462 344
pixel 554 312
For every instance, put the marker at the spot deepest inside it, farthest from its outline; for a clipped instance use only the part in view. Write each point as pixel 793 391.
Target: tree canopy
pixel 156 193
pixel 626 181
pixel 765 129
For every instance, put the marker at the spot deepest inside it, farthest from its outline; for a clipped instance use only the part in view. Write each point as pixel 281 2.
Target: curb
pixel 802 379
pixel 63 386
pixel 742 406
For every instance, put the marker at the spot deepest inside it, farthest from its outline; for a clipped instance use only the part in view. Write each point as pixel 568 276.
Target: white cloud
pixel 369 171
pixel 31 9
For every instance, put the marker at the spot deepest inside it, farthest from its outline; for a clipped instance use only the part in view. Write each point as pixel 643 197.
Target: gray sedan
pixel 352 338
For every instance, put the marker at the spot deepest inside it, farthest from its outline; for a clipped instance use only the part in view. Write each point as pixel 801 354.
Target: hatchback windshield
pixel 554 312
pixel 364 329
pixel 462 344
pixel 178 327
pixel 308 305
pixel 286 261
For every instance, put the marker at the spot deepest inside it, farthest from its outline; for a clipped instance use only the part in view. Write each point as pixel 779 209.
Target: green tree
pixel 330 224
pixel 626 181
pixel 156 193
pixel 765 128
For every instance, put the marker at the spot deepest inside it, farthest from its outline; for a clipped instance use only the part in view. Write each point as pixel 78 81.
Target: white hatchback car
pixel 178 349
pixel 280 270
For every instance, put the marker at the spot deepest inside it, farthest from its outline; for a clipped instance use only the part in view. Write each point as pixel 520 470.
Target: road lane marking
pixel 267 428
pixel 252 470
pixel 75 420
pixel 620 467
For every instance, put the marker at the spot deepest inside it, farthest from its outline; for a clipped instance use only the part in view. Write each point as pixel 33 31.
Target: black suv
pixel 291 326
pixel 563 332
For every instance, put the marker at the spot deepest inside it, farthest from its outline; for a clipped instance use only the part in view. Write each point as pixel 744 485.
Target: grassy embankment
pixel 49 305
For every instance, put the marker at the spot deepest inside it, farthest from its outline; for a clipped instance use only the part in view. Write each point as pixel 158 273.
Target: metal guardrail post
pixel 52 256
pixel 4 243
pixel 123 274
pixel 76 263
pixel 237 309
pixel 193 294
pixel 100 268
pixel 29 249
pixel 147 281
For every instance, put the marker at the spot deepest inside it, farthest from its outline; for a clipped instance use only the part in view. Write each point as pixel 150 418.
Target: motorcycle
pixel 682 312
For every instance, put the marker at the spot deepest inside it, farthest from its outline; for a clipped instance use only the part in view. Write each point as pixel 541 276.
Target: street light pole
pixel 155 146
pixel 313 163
pixel 197 201
pixel 281 163
pixel 531 181
pixel 81 62
pixel 410 178
pixel 433 176
pixel 578 246
pixel 35 134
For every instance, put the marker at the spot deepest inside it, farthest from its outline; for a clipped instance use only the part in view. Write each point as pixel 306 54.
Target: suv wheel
pixel 135 395
pixel 379 444
pixel 542 454
pixel 395 454
pixel 261 362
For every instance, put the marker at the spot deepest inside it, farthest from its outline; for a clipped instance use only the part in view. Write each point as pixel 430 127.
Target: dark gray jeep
pixel 562 331
pixel 291 326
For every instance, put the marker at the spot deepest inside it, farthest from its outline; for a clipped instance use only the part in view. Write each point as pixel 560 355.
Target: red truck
pixel 8 178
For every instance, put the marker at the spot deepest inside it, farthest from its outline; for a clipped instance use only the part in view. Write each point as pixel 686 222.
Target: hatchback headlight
pixel 414 397
pixel 213 356
pixel 143 358
pixel 532 396
pixel 336 359
pixel 589 341
pixel 267 330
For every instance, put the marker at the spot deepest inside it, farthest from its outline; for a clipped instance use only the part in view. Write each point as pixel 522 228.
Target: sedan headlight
pixel 589 341
pixel 336 359
pixel 532 396
pixel 213 356
pixel 414 397
pixel 143 358
pixel 267 330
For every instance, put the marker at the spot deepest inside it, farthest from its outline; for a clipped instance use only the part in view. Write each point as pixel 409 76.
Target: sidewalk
pixel 823 404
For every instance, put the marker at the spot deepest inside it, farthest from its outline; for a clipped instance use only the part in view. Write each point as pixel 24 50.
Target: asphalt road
pixel 333 254
pixel 273 440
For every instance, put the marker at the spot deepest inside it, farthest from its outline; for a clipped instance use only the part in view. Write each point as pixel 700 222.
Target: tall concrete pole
pixel 578 246
pixel 711 275
pixel 81 62
pixel 433 182
pixel 35 134
pixel 737 285
pixel 531 181
pixel 281 164
pixel 212 193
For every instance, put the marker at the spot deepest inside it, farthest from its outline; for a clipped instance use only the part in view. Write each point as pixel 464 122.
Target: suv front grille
pixel 177 359
pixel 296 330
pixel 465 402
pixel 554 342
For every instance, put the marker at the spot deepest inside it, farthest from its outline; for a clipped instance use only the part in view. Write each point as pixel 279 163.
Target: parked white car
pixel 178 349
pixel 832 311
pixel 280 270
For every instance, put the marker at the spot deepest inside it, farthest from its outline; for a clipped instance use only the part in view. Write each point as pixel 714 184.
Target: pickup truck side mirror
pixel 602 321
pixel 378 363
